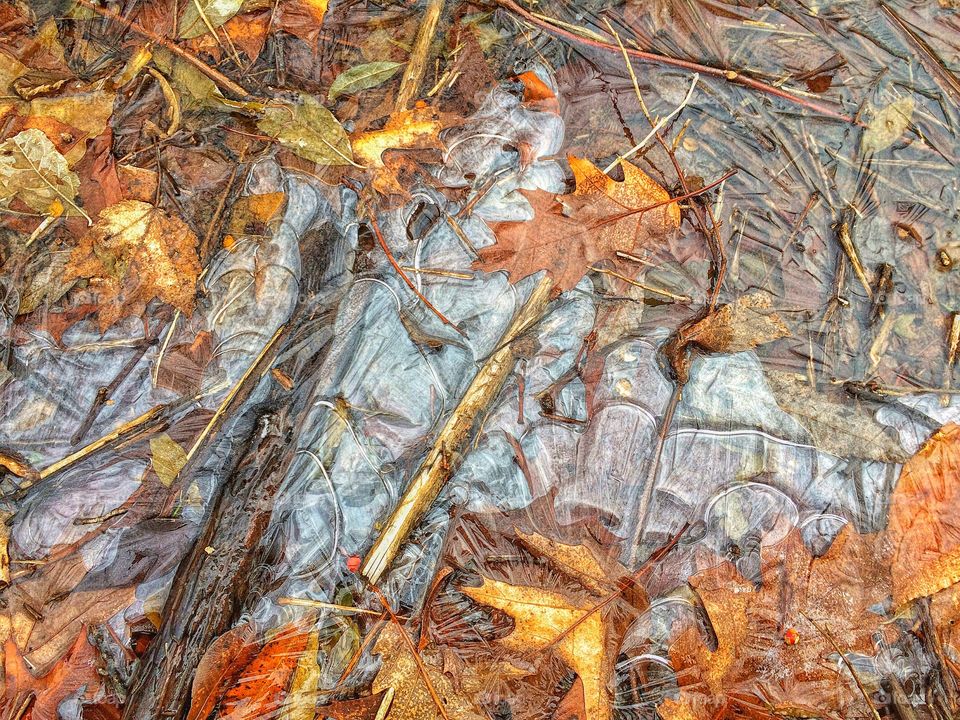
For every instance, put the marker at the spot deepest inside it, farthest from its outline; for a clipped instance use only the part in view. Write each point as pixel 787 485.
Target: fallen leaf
pixel 546 620
pixel 924 529
pixel 199 16
pixel 167 458
pixel 569 233
pixel 362 77
pixel 840 426
pixel 251 213
pixel 262 685
pixel 308 129
pixel 413 701
pixel 76 670
pixel 409 129
pixel 134 253
pixel 741 325
pixel 301 18
pixel 32 171
pixel 220 667
pixel 887 124
pixel 753 665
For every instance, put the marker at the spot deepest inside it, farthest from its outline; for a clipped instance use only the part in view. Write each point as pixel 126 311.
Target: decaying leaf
pixel 758 663
pixel 569 233
pixel 887 124
pixel 844 429
pixel 200 16
pixel 167 458
pixel 301 700
pixel 34 172
pixel 364 708
pixel 261 687
pixel 220 667
pixel 133 254
pixel 924 529
pixel 362 77
pixel 742 325
pixel 75 671
pixel 412 699
pixel 308 129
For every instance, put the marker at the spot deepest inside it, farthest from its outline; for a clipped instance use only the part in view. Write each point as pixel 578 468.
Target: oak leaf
pixel 924 529
pixel 825 600
pixel 76 670
pixel 569 233
pixel 134 253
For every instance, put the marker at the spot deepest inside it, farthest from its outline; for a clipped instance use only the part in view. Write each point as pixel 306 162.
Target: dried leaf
pixel 301 699
pixel 32 171
pixel 362 77
pixel 888 124
pixel 198 13
pixel 135 253
pixel 742 325
pixel 753 664
pixel 569 233
pixel 364 708
pixel 924 528
pixel 409 129
pixel 308 129
pixel 412 701
pixel 844 429
pixel 167 458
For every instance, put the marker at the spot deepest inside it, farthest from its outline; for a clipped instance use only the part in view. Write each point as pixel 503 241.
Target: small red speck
pixel 791 636
pixel 353 563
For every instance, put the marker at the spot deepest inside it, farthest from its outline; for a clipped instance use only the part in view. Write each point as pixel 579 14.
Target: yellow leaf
pixel 544 620
pixel 417 128
pixel 301 700
pixel 167 458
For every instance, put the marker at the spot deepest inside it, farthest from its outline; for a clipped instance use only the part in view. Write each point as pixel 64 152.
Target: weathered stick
pixel 447 451
pixel 413 73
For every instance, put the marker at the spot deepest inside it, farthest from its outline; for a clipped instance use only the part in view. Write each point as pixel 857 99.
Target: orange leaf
pixel 220 667
pixel 924 528
pixel 76 669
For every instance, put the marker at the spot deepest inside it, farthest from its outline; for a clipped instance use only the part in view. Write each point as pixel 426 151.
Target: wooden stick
pixel 413 73
pixel 448 448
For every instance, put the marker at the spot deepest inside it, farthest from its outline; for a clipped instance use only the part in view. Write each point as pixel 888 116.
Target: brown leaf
pixel 742 325
pixel 76 669
pixel 364 708
pixel 924 529
pixel 134 253
pixel 569 233
pixel 753 665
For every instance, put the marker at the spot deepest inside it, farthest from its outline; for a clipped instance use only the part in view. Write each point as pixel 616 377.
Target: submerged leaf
pixel 197 13
pixel 167 457
pixel 888 124
pixel 32 171
pixel 135 253
pixel 362 77
pixel 308 129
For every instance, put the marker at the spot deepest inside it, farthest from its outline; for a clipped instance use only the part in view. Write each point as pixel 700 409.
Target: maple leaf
pixel 825 600
pixel 134 253
pixel 924 529
pixel 412 699
pixel 569 233
pixel 75 670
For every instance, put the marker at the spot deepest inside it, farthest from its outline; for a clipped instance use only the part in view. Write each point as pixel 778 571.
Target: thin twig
pixel 729 75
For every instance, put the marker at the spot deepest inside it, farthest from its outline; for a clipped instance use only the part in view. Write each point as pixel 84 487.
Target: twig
pixel 406 279
pixel 218 77
pixel 729 75
pixel 413 73
pixel 847 663
pixel 447 449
